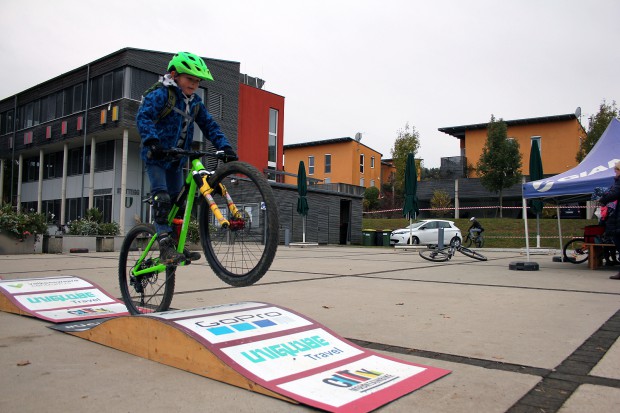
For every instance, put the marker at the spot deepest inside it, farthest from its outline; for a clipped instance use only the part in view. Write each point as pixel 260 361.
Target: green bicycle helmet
pixel 190 64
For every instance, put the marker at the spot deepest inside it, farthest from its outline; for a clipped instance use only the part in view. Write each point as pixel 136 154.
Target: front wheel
pixel 435 255
pixel 152 291
pixel 472 254
pixel 575 252
pixel 241 253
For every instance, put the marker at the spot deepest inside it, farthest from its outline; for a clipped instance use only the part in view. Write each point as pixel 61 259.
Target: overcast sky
pixel 352 65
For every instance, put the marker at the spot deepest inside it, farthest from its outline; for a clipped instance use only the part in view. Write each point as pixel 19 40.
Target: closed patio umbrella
pixel 536 173
pixel 302 202
pixel 410 209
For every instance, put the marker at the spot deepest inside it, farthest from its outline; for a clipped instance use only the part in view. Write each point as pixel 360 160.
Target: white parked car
pixel 426 232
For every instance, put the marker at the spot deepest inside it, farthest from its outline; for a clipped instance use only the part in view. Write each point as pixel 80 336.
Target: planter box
pixel 11 246
pixel 79 241
pixel 105 244
pixel 52 244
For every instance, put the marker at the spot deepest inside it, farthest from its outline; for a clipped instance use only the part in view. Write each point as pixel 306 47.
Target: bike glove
pixel 155 150
pixel 229 154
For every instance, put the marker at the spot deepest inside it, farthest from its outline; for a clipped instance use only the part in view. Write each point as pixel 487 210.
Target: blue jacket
pixel 168 129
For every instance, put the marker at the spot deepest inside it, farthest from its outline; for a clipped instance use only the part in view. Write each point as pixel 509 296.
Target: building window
pixel 362 164
pixel 52 165
pixel 75 161
pixel 31 173
pixel 78 98
pixel 362 182
pixel 372 182
pixel 272 149
pixel 104 161
pixel 328 163
pixel 310 165
pixel 6 122
pixel 372 162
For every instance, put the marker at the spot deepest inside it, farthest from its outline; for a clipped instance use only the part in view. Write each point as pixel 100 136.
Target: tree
pixel 428 174
pixel 597 125
pixel 499 165
pixel 408 141
pixel 371 198
pixel 441 203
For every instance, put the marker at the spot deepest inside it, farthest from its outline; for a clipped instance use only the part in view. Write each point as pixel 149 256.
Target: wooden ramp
pixel 152 339
pixel 253 345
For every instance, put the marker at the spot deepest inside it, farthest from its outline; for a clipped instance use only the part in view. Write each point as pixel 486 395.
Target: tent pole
pixel 557 208
pixel 527 236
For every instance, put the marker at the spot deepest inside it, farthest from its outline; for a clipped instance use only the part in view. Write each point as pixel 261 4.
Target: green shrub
pixel 108 228
pixel 21 225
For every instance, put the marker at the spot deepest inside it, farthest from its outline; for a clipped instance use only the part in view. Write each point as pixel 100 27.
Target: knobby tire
pixel 241 254
pixel 472 254
pixel 150 292
pixel 435 255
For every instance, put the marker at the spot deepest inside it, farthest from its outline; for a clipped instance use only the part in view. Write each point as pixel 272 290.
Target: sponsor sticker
pixel 350 382
pixel 43 284
pixel 105 310
pixel 197 312
pixel 236 325
pixel 289 354
pixel 61 299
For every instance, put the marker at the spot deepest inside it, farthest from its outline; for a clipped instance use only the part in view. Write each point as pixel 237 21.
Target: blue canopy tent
pixel 578 183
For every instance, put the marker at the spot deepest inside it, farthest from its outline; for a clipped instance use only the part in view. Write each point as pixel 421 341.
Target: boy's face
pixel 187 83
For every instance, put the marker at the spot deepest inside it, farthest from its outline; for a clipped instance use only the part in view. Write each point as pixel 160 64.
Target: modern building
pixel 558 137
pixel 74 139
pixel 70 143
pixel 335 161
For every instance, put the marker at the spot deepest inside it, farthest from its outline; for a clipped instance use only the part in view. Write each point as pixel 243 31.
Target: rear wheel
pixel 479 241
pixel 241 253
pixel 150 292
pixel 435 255
pixel 472 254
pixel 575 252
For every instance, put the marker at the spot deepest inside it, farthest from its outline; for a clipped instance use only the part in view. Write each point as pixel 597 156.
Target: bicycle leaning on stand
pixel 437 254
pixel 238 224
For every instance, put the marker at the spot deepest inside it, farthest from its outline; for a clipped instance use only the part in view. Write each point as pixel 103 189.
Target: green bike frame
pixel 196 180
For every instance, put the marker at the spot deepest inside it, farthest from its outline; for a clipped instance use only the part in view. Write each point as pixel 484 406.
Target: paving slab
pixel 504 334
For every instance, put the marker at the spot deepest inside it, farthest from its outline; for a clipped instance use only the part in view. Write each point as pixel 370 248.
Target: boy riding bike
pixel 165 120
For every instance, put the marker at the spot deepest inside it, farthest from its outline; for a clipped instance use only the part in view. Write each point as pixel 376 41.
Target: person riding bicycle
pixel 475 229
pixel 175 129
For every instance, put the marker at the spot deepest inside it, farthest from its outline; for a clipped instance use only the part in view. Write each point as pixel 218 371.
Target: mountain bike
pixel 437 254
pixel 238 226
pixel 478 240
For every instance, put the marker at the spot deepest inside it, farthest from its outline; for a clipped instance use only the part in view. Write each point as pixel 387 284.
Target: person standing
pixel 612 223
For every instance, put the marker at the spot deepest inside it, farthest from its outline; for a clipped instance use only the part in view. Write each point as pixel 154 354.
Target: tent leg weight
pixel 523 266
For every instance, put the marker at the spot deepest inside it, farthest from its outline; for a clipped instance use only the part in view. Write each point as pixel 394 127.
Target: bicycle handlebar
pixel 176 153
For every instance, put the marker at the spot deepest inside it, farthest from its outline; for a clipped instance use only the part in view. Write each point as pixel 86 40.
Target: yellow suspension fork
pixel 231 205
pixel 200 177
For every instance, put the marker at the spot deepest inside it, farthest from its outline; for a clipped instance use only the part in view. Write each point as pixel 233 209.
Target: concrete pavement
pixel 518 341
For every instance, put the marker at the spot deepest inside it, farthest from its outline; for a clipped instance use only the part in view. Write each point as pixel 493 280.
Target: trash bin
pixel 386 237
pixel 368 237
pixel 379 238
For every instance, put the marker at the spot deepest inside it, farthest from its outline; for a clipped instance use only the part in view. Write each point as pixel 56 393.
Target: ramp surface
pixel 58 299
pixel 253 345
